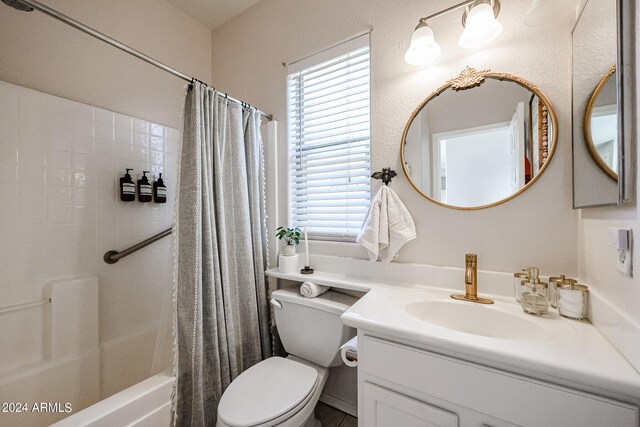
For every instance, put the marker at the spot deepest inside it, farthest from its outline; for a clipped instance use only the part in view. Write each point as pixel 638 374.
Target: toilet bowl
pixel 284 391
pixel 276 392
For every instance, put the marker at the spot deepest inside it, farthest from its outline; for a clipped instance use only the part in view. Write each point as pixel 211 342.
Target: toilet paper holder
pixel 349 352
pixel 351 356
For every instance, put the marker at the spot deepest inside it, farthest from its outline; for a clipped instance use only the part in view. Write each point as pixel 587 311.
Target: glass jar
pixel 518 278
pixel 554 284
pixel 534 294
pixel 534 298
pixel 573 301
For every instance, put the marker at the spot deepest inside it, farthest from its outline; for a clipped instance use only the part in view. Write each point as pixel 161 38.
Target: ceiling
pixel 212 13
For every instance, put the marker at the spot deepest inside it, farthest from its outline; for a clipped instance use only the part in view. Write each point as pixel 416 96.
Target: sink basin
pixel 485 320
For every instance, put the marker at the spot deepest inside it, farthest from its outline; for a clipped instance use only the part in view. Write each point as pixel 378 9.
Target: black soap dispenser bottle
pixel 159 191
pixel 144 188
pixel 127 188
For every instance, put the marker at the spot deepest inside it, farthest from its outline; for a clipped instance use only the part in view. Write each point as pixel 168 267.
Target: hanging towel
pixel 387 226
pixel 311 290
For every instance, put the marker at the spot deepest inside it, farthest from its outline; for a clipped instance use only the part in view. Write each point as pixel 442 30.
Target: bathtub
pixel 147 403
pixel 50 357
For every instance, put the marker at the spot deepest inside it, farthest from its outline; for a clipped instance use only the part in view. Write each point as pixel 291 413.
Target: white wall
pixel 56 227
pixel 537 228
pixel 43 54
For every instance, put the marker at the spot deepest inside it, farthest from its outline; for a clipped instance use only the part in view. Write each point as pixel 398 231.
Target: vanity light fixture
pixel 424 48
pixel 480 27
pixel 480 24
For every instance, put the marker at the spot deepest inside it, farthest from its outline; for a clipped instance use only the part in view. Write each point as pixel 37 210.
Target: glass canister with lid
pixel 573 300
pixel 518 278
pixel 554 284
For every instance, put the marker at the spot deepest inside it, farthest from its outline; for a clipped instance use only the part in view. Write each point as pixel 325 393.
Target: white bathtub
pixel 147 403
pixel 50 355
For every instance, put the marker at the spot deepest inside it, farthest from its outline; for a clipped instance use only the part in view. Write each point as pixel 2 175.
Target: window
pixel 329 141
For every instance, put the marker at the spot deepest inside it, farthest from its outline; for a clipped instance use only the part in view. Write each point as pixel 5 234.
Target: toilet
pixel 284 391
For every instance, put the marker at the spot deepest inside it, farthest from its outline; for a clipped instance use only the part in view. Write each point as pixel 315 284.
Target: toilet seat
pixel 267 393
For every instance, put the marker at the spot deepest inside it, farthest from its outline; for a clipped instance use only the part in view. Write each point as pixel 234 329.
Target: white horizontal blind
pixel 329 143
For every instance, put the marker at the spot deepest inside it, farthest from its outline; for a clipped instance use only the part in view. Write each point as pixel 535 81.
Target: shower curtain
pixel 222 313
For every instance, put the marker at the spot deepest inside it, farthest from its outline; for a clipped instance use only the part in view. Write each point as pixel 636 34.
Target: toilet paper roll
pixel 351 347
pixel 288 264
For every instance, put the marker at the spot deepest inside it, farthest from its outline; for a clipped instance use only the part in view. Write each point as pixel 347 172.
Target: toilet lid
pixel 266 391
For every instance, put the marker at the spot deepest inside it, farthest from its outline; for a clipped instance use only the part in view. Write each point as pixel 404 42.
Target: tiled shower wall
pixel 60 211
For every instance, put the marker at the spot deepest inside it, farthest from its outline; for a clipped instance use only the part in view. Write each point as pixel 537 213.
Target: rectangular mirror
pixel 603 103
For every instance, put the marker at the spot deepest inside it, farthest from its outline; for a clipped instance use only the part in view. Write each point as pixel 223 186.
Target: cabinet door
pixel 385 408
pixel 502 395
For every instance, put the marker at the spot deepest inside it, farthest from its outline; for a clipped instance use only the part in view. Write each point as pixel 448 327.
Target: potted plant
pixel 291 237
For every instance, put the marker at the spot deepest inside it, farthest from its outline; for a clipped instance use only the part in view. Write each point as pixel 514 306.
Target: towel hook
pixel 386 175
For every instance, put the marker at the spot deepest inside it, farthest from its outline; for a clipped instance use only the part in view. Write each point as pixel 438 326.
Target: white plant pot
pixel 288 264
pixel 289 250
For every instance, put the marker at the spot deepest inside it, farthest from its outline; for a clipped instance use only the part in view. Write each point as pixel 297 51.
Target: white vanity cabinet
pixel 399 385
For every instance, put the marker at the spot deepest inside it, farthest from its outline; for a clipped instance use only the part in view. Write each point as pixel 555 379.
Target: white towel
pixel 311 290
pixel 387 226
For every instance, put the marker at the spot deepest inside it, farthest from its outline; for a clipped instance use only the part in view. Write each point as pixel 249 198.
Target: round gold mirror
pixel 601 125
pixel 479 140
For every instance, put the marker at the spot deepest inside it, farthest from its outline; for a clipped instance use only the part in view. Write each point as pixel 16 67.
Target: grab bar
pixel 111 257
pixel 9 308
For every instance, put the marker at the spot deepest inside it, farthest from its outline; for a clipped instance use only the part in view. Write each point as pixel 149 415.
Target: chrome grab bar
pixel 9 308
pixel 111 257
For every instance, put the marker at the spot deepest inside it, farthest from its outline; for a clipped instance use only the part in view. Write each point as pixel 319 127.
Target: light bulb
pixel 481 26
pixel 550 12
pixel 423 47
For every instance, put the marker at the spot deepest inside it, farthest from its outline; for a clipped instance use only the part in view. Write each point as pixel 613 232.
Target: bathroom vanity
pixel 427 359
pixel 409 386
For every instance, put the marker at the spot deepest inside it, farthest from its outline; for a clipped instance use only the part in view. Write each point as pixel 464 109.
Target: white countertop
pixel 574 353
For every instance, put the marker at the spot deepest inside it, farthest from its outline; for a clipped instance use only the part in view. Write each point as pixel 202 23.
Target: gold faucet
pixel 471 282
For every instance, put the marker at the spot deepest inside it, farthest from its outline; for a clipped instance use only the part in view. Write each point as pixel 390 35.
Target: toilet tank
pixel 310 328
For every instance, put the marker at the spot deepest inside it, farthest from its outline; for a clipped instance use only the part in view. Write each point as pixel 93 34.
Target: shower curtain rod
pixel 123 47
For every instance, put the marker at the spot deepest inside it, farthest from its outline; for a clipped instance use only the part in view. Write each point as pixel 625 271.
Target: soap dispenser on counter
pixel 534 294
pixel 144 188
pixel 159 191
pixel 127 188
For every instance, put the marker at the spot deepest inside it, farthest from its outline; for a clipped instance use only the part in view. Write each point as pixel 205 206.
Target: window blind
pixel 329 141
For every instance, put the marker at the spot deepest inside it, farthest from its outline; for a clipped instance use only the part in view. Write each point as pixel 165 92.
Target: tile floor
pixel 331 417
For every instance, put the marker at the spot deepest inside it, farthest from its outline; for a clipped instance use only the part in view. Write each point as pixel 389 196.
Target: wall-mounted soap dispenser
pixel 159 191
pixel 144 188
pixel 127 188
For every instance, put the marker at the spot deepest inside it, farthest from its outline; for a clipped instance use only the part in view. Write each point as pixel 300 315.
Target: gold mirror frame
pixel 468 79
pixel 591 146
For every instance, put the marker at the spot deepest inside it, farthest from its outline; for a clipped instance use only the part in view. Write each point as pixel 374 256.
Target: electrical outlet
pixel 624 263
pixel 622 241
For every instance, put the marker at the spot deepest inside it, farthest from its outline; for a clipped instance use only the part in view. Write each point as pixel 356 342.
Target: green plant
pixel 290 235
